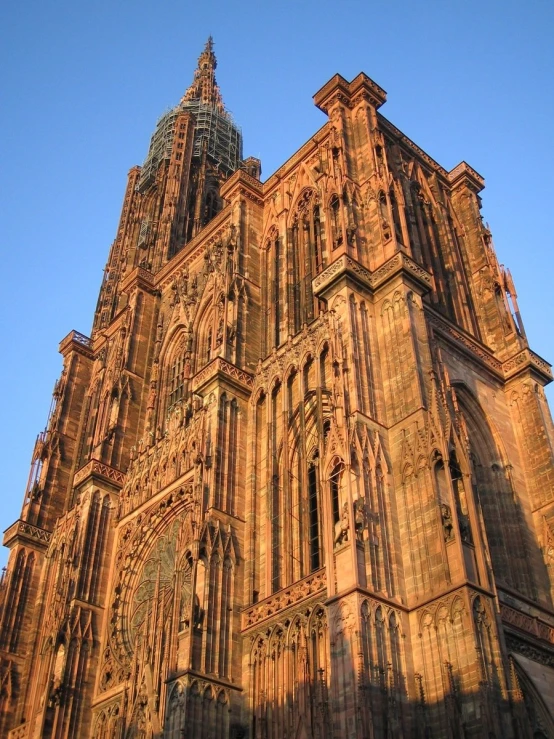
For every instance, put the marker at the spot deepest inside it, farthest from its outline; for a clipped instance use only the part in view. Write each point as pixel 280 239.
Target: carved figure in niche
pixel 185 283
pixel 359 518
pixel 174 294
pixel 342 526
pixel 447 523
pixel 198 471
pixel 114 413
pixel 186 592
pixel 219 335
pixel 175 419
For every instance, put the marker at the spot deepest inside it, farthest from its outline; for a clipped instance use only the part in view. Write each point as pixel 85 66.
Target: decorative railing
pixel 283 599
pixel 529 624
pixel 28 531
pixel 75 338
pixel 20 732
pixel 219 365
pixel 94 467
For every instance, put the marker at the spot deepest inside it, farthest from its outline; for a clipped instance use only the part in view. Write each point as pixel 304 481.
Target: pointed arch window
pixel 176 384
pixel 211 206
pixel 314 515
pixel 384 211
pixel 335 485
pixel 336 230
pixel 307 257
pixel 396 216
pixel 276 290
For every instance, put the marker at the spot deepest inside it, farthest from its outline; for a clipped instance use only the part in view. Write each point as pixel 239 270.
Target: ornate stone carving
pixel 274 605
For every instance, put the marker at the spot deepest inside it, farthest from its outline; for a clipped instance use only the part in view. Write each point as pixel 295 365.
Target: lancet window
pixel 314 516
pixel 396 216
pixel 308 257
pixel 94 546
pixel 176 375
pixel 274 291
pixel 212 206
pixel 335 479
pixel 384 212
pixel 336 227
pixel 16 601
pixel 493 486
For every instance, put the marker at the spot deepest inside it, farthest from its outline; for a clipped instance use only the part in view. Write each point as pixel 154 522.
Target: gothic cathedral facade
pixel 299 481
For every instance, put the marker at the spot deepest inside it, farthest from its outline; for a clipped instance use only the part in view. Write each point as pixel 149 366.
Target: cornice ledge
pixel 139 277
pixel 412 146
pixel 227 371
pixel 242 183
pixel 301 153
pixel 401 262
pixel 75 341
pixel 527 624
pixel 464 342
pixel 271 607
pixel 37 537
pixel 343 265
pixel 98 469
pixel 463 174
pixel 524 360
pixel 349 93
pixel 372 280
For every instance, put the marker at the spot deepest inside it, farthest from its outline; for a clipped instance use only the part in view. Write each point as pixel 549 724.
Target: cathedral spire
pixel 204 87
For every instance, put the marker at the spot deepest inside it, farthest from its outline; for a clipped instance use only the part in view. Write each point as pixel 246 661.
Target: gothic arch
pixel 493 488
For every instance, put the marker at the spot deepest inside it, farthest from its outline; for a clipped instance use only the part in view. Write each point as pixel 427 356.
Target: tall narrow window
pixel 176 380
pixel 209 346
pixel 211 206
pixel 384 211
pixel 276 292
pixel 396 216
pixel 335 492
pixel 318 252
pixel 296 286
pixel 313 510
pixel 336 230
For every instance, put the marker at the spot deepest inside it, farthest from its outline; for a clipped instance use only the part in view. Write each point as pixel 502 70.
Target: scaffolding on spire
pixel 214 127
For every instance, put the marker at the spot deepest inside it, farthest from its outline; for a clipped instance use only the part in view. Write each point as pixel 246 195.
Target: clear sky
pixel 83 83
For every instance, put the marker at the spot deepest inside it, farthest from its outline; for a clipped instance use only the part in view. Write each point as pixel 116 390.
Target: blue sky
pixel 83 83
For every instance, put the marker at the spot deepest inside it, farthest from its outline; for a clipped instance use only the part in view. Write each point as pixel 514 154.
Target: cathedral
pixel 298 483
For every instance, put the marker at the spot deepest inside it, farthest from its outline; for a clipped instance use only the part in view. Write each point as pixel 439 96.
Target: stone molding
pixel 139 277
pixel 529 624
pixel 373 280
pixel 412 147
pixel 464 174
pixel 34 535
pixel 94 468
pixel 245 185
pixel 464 342
pixel 527 359
pixel 337 89
pixel 75 341
pixel 278 602
pixel 531 651
pixel 20 732
pixel 219 366
pixel 523 360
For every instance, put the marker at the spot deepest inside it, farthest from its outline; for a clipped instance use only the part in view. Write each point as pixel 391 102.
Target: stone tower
pixel 299 482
